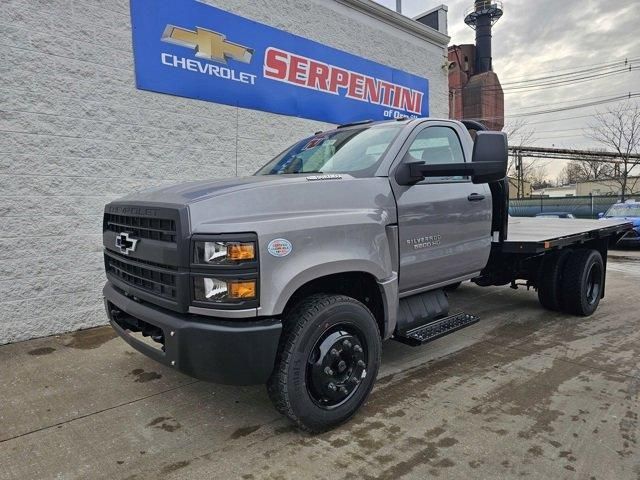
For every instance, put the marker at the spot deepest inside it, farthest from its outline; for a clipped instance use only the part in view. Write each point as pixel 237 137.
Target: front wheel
pixel 327 361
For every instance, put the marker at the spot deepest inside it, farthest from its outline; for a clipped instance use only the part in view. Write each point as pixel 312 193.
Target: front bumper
pixel 232 352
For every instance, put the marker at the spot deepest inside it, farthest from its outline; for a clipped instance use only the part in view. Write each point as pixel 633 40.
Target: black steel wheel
pixel 336 366
pixel 583 282
pixel 327 361
pixel 594 283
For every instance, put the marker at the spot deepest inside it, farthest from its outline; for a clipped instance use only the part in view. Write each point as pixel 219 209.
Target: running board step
pixel 436 329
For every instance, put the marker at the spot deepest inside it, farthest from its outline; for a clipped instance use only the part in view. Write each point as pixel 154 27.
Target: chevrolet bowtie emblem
pixel 125 243
pixel 207 44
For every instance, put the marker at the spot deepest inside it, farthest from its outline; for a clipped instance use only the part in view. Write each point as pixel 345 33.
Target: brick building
pixel 474 88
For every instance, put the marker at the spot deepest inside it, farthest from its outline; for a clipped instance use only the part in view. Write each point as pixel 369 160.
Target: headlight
pixel 209 289
pixel 223 253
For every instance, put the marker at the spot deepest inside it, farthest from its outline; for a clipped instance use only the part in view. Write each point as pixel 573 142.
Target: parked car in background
pixel 556 215
pixel 629 210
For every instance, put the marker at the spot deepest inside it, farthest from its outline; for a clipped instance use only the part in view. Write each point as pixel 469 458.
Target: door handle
pixel 475 197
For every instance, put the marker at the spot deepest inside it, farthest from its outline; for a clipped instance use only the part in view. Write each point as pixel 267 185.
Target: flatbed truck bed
pixel 537 235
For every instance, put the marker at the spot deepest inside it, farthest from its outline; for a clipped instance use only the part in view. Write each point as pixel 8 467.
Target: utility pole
pixel 399 6
pixel 452 110
pixel 519 175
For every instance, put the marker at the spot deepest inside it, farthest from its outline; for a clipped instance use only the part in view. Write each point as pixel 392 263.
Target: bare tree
pixel 590 169
pixel 570 174
pixel 532 171
pixel 585 170
pixel 536 174
pixel 519 134
pixel 618 128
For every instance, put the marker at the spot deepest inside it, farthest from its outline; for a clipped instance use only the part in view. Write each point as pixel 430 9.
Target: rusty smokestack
pixel 481 18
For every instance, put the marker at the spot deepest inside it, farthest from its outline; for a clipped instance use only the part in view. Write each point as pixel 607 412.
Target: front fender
pixel 323 270
pixel 326 251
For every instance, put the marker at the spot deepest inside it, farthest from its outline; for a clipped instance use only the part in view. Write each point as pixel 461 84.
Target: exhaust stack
pixel 475 92
pixel 481 18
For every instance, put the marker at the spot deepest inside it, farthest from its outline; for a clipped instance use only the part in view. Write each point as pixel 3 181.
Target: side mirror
pixel 491 149
pixel 488 164
pixel 601 215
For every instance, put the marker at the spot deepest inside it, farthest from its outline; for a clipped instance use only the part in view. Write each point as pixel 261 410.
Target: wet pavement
pixel 524 393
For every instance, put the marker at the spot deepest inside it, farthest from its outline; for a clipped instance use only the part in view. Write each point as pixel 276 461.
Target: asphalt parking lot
pixel 524 393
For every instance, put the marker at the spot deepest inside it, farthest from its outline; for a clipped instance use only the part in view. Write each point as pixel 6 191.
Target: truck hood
pixel 265 203
pixel 192 192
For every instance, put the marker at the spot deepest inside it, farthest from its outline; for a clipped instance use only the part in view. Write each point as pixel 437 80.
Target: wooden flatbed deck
pixel 536 235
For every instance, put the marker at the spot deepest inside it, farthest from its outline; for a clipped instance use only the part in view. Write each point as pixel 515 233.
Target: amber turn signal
pixel 243 289
pixel 241 251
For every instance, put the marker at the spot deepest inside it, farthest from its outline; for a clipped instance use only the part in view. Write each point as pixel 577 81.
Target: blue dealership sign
pixel 194 50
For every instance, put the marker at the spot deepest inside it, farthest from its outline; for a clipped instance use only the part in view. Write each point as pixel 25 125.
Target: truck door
pixel 444 223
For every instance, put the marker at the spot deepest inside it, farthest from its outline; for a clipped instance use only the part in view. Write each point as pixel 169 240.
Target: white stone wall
pixel 75 133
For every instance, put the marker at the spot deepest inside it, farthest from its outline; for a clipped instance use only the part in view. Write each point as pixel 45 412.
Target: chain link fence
pixel 581 207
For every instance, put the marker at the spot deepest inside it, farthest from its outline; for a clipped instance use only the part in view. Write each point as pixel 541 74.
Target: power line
pixel 553 84
pixel 564 69
pixel 571 81
pixel 564 109
pixel 546 83
pixel 609 66
pixel 575 107
pixel 560 119
pixel 561 130
pixel 558 136
pixel 575 100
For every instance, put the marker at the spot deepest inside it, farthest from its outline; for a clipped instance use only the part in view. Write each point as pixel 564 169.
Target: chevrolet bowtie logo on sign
pixel 207 44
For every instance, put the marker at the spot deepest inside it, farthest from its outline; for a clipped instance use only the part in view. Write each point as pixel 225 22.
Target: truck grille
pixel 147 276
pixel 162 229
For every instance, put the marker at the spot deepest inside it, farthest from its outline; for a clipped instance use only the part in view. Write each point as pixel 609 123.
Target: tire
pixel 550 280
pixel 300 386
pixel 582 282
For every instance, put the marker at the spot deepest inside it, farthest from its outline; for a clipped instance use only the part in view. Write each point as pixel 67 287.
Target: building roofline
pixel 394 19
pixel 442 6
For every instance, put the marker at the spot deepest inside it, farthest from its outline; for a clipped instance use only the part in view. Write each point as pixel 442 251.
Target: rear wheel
pixel 550 280
pixel 327 362
pixel 582 282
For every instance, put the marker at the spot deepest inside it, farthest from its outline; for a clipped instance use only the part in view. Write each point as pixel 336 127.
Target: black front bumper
pixel 233 352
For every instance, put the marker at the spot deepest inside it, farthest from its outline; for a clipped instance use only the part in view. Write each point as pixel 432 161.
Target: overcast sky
pixel 538 38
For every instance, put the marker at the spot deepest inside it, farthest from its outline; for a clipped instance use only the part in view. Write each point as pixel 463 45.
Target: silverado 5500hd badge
pixel 424 242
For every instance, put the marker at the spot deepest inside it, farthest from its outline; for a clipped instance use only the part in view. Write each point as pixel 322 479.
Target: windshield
pixel 357 151
pixel 624 210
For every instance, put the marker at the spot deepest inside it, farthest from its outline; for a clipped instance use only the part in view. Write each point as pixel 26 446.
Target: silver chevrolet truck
pixel 293 277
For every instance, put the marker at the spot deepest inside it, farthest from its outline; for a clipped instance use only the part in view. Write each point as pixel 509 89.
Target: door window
pixel 438 145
